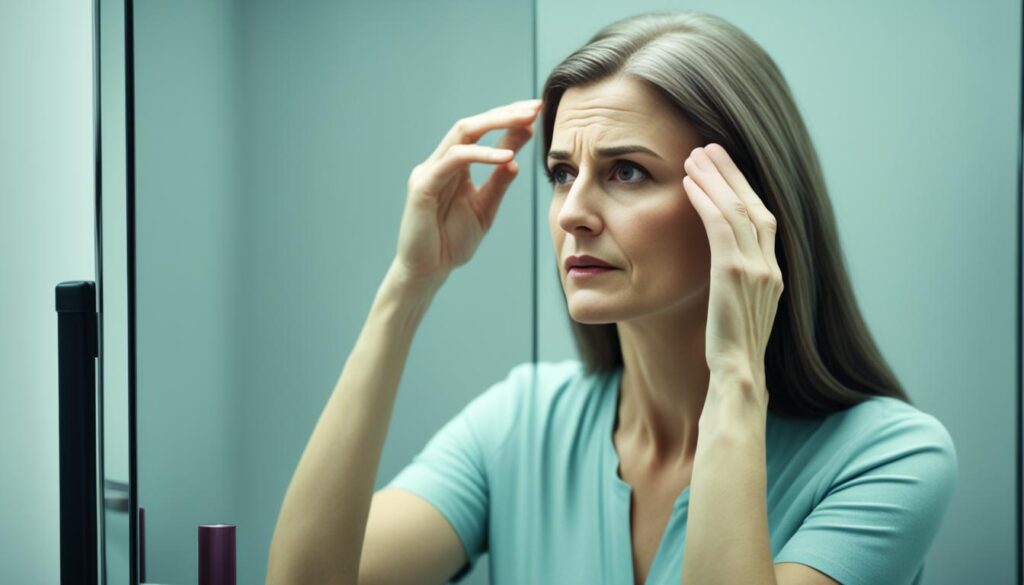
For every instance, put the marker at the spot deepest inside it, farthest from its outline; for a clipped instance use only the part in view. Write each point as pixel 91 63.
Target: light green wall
pixel 187 202
pixel 46 237
pixel 914 110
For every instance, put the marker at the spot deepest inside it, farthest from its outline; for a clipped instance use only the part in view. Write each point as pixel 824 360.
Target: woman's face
pixel 629 209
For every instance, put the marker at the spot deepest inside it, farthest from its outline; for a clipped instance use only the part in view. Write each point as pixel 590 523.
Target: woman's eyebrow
pixel 607 152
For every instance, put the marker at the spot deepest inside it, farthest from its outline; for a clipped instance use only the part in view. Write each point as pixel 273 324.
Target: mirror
pixel 274 146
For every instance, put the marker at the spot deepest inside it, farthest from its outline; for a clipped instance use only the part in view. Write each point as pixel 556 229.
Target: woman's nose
pixel 580 208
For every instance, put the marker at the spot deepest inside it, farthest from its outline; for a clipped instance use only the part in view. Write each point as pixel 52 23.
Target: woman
pixel 680 165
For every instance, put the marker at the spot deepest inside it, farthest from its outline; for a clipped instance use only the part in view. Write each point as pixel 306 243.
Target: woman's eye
pixel 553 174
pixel 633 167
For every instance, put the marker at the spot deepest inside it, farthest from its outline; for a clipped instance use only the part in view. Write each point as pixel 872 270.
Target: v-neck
pixel 624 491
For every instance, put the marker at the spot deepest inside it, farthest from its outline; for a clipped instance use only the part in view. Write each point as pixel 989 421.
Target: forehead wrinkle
pixel 597 138
pixel 599 128
pixel 596 114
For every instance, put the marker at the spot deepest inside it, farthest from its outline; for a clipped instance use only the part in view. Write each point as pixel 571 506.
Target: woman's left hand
pixel 746 282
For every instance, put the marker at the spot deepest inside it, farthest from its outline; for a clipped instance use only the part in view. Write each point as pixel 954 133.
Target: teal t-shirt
pixel 527 472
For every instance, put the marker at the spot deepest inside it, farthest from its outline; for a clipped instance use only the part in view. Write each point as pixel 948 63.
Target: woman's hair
pixel 820 357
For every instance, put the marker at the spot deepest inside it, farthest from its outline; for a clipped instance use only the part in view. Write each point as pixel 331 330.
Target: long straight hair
pixel 820 357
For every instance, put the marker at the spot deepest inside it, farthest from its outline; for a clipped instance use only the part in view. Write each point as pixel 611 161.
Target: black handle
pixel 77 345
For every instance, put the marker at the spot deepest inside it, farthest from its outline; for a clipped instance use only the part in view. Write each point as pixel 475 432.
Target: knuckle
pixel 455 151
pixel 416 176
pixel 735 270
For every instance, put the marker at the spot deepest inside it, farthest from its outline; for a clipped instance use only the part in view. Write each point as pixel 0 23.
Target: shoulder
pixel 558 385
pixel 531 384
pixel 876 419
pixel 539 390
pixel 549 380
pixel 893 422
pixel 887 435
pixel 885 475
pixel 529 395
pixel 881 435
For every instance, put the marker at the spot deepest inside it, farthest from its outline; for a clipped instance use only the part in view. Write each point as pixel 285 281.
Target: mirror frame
pixel 113 20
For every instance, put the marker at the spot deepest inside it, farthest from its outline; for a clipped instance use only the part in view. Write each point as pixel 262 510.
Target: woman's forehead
pixel 617 112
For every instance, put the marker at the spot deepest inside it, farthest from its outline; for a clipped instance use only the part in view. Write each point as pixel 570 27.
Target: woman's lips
pixel 588 271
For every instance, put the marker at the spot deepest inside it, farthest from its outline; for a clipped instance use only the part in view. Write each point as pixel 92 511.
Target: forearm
pixel 727 539
pixel 322 521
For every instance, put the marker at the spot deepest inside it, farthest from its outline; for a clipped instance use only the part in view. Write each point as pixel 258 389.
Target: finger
pixel 733 176
pixel 469 130
pixel 516 137
pixel 760 214
pixel 436 178
pixel 721 236
pixel 704 172
pixel 460 156
pixel 489 197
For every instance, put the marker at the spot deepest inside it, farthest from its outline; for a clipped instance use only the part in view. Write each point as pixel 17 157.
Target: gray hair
pixel 820 356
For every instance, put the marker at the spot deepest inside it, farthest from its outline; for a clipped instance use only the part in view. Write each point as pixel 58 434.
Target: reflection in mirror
pixel 110 35
pixel 907 124
pixel 290 370
pixel 275 145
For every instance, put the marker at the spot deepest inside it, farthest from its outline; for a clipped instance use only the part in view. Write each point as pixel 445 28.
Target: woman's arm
pixel 322 522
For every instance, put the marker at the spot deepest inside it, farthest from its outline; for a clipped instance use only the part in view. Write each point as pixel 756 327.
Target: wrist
pixel 401 281
pixel 403 299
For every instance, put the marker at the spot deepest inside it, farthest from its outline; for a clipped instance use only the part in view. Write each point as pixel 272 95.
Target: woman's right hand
pixel 445 215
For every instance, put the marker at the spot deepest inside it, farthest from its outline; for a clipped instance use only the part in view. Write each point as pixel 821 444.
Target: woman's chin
pixel 592 315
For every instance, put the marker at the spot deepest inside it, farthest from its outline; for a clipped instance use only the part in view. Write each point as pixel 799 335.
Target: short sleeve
pixel 880 514
pixel 452 471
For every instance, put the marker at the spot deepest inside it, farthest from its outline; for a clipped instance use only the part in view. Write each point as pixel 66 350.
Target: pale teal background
pixel 913 108
pixel 47 236
pixel 274 146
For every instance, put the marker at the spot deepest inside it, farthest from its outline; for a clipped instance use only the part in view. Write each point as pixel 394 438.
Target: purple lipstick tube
pixel 216 554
